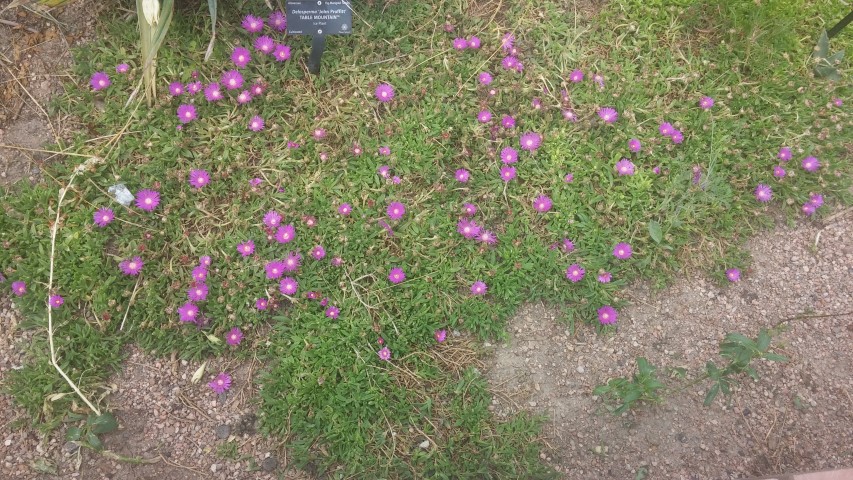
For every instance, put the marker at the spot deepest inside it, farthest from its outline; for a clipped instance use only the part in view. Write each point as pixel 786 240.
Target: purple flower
pixel 706 103
pixel 815 200
pixel 569 178
pixel 837 102
pixel 474 42
pixel 274 269
pixel 568 245
pixel 763 193
pixel 188 312
pixel 199 178
pixel 469 209
pixel 597 78
pixel 288 286
pixel 809 209
pixel 509 155
pixel 609 115
pixel 176 89
pixel 291 262
pixel 99 81
pixel 384 92
pixel 19 288
pixel 241 57
pixel 462 175
pixel 576 76
pixel 604 277
pixel 204 260
pixel 255 182
pixel 634 145
pixel 396 275
pixel 485 78
pixel 281 52
pixel 285 234
pixel 779 172
pixel 384 151
pixel 542 204
pixel 607 315
pixel 625 167
pixel 536 103
pixel 530 141
pixel 213 92
pixel 253 24
pixel 484 116
pixel 733 274
pixel 468 228
pixel 234 337
pixel 384 354
pixel 272 219
pixel 257 89
pixel 666 129
pixel 656 170
pixel 261 304
pixel 396 180
pixel 460 43
pixel 440 335
pixel 507 41
pixel 507 122
pixel 264 44
pixel 103 217
pixel 318 252
pixel 811 164
pixel 784 154
pixel 333 312
pixel 199 274
pixel 509 63
pixel 575 273
pixel 345 209
pixel 622 251
pixel 147 199
pixel 186 113
pixel 256 124
pixel 56 301
pixel 569 115
pixel 122 68
pixel 396 210
pixel 246 248
pixel 277 21
pixel 232 79
pixel 197 293
pixel 221 383
pixel 487 237
pixel 507 173
pixel 677 137
pixel 478 288
pixel 194 87
pixel 337 261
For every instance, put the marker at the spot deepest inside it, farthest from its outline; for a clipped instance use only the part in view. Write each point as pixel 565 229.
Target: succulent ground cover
pixel 440 171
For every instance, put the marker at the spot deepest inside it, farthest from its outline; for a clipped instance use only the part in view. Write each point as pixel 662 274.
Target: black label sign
pixel 319 17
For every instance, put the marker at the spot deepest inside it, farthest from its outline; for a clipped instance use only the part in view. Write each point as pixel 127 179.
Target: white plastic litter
pixel 122 194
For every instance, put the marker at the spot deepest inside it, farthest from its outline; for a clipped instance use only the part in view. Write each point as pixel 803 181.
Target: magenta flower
pixel 256 124
pixel 122 68
pixel 337 261
pixel 507 173
pixel 733 274
pixel 507 122
pixel 666 129
pixel 509 155
pixel 277 21
pixel 261 304
pixel 204 260
pixel 484 116
pixel 634 145
pixel 536 103
pixel 507 41
pixel 609 115
pixel 199 178
pixel 763 193
pixel 784 154
pixel 468 228
pixel 288 286
pixel 677 137
pixel 656 170
pixel 264 44
pixel 568 245
pixel 815 200
pixel 292 261
pixel 246 248
pixel 809 209
pixel 333 312
pixel 706 103
pixel 274 269
pixel 384 354
pixel 396 275
pixel 569 178
pixel 319 134
pixel 176 89
pixel 575 273
pixel 99 81
pixel 281 52
pixel 625 167
pixel 221 383
pixel 460 44
pixel 396 210
pixel 255 182
pixel 837 102
pixel 318 252
pixel 188 312
pixel 478 288
pixel 509 63
pixel 469 209
pixel 147 199
pixel 56 301
pixel 103 217
pixel 241 57
pixel 285 234
pixel 779 172
pixel 384 151
pixel 530 141
pixel 199 274
pixel 194 87
pixel 597 78
pixel 487 237
pixel 232 79
pixel 253 24
pixel 234 337
pixel 213 92
pixel 542 204
pixel 462 175
pixel 345 209
pixel 396 180
pixel 197 293
pixel 186 113
pixel 622 251
pixel 440 335
pixel 474 42
pixel 485 78
pixel 257 89
pixel 356 149
pixel 131 266
pixel 569 115
pixel 576 76
pixel 604 277
pixel 384 92
pixel 272 219
pixel 19 288
pixel 811 164
pixel 607 315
